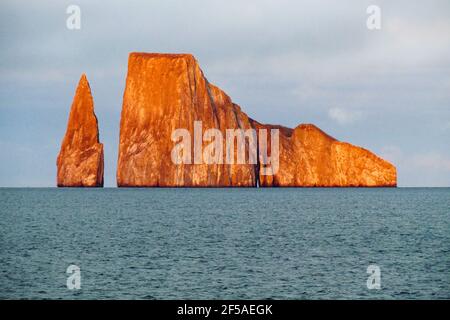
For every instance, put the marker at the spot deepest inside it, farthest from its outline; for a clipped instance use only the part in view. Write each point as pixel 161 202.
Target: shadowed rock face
pixel 80 160
pixel 165 92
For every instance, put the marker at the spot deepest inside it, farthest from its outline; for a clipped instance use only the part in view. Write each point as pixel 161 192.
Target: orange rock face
pixel 311 158
pixel 165 92
pixel 80 160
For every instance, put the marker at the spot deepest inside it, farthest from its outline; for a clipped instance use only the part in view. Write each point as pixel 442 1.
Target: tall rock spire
pixel 80 160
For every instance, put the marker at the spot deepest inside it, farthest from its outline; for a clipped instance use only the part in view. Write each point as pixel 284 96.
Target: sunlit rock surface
pixel 165 92
pixel 80 160
pixel 311 158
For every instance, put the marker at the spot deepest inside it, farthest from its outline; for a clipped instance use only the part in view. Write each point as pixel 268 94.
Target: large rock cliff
pixel 80 160
pixel 165 92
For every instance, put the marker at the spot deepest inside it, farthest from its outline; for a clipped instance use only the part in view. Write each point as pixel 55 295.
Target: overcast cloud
pixel 286 62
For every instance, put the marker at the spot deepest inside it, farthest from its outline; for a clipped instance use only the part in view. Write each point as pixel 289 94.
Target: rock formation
pixel 311 158
pixel 80 160
pixel 165 92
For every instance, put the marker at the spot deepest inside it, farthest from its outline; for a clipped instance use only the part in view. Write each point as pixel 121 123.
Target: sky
pixel 283 62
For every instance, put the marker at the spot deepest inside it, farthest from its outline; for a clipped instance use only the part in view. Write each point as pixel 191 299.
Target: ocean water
pixel 225 243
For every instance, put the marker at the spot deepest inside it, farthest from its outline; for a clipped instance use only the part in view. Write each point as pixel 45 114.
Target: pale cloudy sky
pixel 285 62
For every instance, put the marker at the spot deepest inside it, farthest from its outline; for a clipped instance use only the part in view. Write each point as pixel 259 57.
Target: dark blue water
pixel 225 243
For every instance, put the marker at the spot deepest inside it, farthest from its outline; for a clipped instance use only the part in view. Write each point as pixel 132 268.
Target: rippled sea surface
pixel 225 243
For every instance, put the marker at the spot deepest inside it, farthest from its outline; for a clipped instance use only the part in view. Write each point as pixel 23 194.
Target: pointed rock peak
pixel 80 161
pixel 83 80
pixel 84 91
pixel 82 113
pixel 83 85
